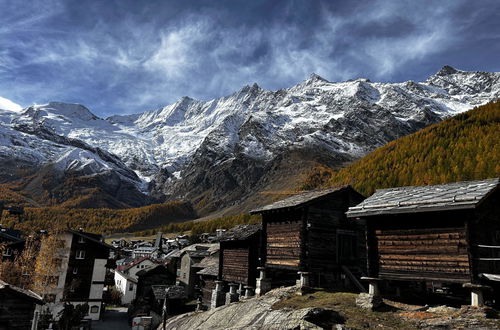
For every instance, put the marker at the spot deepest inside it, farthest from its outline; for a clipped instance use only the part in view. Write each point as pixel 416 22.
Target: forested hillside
pixel 102 220
pixel 464 147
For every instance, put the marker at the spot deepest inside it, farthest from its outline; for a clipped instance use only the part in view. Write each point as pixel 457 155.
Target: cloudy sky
pixel 127 56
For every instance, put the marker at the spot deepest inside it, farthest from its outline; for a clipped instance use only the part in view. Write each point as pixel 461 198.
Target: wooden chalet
pixel 447 233
pixel 17 307
pixel 240 251
pixel 309 232
pixel 208 274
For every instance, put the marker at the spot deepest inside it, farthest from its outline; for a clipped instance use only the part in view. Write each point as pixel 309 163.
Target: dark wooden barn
pixel 240 251
pixel 209 270
pixel 309 232
pixel 17 307
pixel 448 233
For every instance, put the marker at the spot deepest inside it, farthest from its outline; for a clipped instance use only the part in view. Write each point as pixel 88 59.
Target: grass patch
pixel 345 304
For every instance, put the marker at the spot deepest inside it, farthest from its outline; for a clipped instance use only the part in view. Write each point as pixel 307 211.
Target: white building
pixel 127 285
pixel 126 277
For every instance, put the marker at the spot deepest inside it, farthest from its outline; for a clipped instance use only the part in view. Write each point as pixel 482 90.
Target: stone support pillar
pixel 304 283
pixel 218 296
pixel 232 295
pixel 477 293
pixel 263 284
pixel 249 292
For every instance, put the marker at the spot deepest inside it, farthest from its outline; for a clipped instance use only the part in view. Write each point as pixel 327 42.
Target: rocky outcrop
pixel 257 313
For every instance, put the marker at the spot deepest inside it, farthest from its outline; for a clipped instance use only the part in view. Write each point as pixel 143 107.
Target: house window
pixel 80 254
pixel 7 252
pixel 131 287
pixel 94 309
pixel 81 239
pixel 75 270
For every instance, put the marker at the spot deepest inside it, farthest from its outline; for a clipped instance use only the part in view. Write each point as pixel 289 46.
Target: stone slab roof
pixel 173 291
pixel 299 199
pixel 451 196
pixel 210 247
pixel 208 265
pixel 23 292
pixel 240 232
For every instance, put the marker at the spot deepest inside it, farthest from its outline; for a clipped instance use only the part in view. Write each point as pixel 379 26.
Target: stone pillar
pixel 241 291
pixel 477 293
pixel 199 304
pixel 218 295
pixel 304 283
pixel 371 300
pixel 249 292
pixel 263 284
pixel 232 295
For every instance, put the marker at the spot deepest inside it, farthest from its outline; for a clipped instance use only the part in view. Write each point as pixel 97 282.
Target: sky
pixel 128 56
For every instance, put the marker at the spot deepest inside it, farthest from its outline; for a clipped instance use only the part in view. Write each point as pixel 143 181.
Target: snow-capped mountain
pixel 219 151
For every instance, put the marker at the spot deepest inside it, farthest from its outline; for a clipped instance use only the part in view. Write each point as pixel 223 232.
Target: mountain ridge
pixel 216 153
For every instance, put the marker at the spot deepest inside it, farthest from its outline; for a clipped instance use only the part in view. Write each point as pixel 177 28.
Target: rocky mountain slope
pixel 221 152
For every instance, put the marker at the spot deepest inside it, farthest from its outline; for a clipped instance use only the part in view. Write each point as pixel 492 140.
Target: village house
pixel 308 235
pixel 17 307
pixel 125 277
pixel 186 258
pixel 440 234
pixel 208 272
pixel 149 298
pixel 80 277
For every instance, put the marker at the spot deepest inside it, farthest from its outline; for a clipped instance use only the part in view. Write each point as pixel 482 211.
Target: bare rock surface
pixel 257 313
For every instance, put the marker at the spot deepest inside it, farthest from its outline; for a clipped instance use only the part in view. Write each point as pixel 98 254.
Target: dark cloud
pixel 127 56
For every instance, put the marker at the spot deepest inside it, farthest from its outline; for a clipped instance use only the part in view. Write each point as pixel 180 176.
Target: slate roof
pixel 174 291
pixel 192 247
pixel 240 232
pixel 92 237
pixel 135 262
pixel 299 200
pixel 208 265
pixel 27 293
pixel 452 196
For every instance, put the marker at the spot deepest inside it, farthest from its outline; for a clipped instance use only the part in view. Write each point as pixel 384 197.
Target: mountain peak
pixel 316 77
pixel 446 70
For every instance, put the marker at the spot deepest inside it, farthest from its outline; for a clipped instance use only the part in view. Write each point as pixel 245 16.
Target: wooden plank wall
pixel 208 285
pixel 284 244
pixel 15 312
pixel 430 253
pixel 235 265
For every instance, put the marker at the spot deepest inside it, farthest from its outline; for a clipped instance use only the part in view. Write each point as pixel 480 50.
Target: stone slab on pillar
pixel 218 296
pixel 249 292
pixel 232 295
pixel 304 283
pixel 372 285
pixel 477 293
pixel 263 284
pixel 371 300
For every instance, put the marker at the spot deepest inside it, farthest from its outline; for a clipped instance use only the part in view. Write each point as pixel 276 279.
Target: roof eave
pixel 367 213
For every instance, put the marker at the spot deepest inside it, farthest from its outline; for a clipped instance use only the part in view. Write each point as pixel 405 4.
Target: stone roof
pixel 208 265
pixel 92 237
pixel 27 293
pixel 173 291
pixel 240 232
pixel 299 199
pixel 452 196
pixel 209 247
